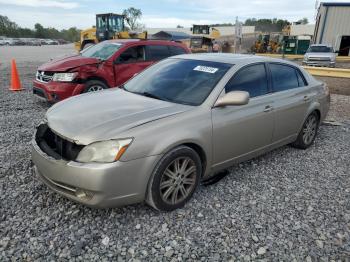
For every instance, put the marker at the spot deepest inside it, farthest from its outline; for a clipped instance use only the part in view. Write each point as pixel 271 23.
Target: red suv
pixel 107 64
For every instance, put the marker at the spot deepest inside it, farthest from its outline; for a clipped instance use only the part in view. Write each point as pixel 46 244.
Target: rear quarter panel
pixel 320 96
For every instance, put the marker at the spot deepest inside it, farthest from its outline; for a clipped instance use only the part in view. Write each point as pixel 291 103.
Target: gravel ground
pixel 286 205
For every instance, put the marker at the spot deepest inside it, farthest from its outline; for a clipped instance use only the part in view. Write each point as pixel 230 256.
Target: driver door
pixel 130 62
pixel 240 132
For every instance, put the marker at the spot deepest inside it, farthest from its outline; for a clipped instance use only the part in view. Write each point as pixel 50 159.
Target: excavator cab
pixel 108 25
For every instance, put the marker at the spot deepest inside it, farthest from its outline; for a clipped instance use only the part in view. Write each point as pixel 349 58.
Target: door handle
pixel 268 109
pixel 306 98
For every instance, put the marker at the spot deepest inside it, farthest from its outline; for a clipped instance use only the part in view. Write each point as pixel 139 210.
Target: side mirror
pixel 337 51
pixel 234 98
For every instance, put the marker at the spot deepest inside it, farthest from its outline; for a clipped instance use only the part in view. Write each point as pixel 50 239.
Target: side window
pixel 176 50
pixel 284 77
pixel 301 79
pixel 251 79
pixel 132 55
pixel 157 52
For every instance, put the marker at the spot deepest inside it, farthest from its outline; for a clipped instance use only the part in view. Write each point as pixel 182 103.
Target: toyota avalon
pixel 171 126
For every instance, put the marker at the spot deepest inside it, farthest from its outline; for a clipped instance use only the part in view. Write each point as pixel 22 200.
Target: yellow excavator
pixel 108 26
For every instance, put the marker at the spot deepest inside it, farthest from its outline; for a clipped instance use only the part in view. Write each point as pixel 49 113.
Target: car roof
pixel 143 41
pixel 234 59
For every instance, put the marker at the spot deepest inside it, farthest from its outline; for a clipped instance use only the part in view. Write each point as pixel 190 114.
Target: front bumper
pixel 98 185
pixel 55 91
pixel 319 63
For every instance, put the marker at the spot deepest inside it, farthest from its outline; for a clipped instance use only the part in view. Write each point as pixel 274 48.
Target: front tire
pixel 308 132
pixel 175 179
pixel 94 86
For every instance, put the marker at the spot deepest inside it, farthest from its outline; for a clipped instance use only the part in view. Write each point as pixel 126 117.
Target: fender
pixel 79 88
pixel 315 105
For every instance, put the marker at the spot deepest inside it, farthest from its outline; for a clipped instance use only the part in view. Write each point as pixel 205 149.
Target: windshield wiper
pixel 151 95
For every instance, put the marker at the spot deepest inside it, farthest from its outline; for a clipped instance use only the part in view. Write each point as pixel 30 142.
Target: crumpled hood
pixel 66 63
pixel 103 115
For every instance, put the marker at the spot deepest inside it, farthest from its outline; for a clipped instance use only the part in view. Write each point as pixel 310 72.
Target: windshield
pixel 178 80
pixel 114 23
pixel 102 50
pixel 319 49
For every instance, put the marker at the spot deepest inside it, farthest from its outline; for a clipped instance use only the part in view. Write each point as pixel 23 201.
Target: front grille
pixel 54 145
pixel 43 76
pixel 319 59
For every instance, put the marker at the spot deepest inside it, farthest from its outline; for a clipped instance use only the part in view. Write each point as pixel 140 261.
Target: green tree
pixel 39 31
pixel 132 16
pixel 11 29
pixel 303 21
pixel 267 25
pixel 7 27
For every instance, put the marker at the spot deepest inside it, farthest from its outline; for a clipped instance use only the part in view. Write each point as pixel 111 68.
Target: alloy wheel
pixel 95 88
pixel 178 180
pixel 309 129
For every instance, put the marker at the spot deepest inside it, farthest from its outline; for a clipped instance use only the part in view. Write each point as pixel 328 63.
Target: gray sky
pixel 162 13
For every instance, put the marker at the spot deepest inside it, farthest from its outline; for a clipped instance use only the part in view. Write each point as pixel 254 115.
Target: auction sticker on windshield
pixel 206 69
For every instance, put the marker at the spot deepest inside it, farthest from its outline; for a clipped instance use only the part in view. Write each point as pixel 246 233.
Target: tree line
pixel 266 25
pixel 11 29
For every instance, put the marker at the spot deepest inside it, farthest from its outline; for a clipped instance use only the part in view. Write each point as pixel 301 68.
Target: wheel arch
pixel 201 153
pixel 97 78
pixel 314 107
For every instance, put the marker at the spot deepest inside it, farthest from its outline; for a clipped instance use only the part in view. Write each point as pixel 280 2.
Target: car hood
pixel 67 63
pixel 103 115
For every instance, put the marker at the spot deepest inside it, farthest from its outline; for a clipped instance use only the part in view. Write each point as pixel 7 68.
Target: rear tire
pixel 308 132
pixel 175 179
pixel 94 86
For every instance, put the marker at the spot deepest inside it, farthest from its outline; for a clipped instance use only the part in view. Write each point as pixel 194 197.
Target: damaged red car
pixel 105 65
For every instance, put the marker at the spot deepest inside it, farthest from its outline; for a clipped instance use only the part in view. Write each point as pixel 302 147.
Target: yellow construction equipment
pixel 202 39
pixel 108 26
pixel 267 43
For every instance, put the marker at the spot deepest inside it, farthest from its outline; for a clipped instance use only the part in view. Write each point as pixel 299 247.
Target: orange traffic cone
pixel 15 82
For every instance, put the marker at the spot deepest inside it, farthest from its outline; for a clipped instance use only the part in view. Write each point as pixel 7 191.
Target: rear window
pixel 301 79
pixel 176 50
pixel 157 52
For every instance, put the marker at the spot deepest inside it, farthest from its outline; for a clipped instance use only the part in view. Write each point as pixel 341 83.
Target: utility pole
pixel 238 36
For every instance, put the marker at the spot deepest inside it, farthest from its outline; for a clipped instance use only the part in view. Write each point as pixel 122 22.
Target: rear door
pixel 176 50
pixel 154 53
pixel 291 98
pixel 243 130
pixel 130 62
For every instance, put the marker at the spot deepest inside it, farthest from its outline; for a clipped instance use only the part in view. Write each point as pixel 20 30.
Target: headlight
pixel 104 152
pixel 64 77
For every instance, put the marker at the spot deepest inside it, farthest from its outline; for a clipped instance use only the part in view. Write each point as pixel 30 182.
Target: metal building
pixel 333 26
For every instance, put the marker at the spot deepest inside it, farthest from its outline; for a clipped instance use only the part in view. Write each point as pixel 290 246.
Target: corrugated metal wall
pixel 334 23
